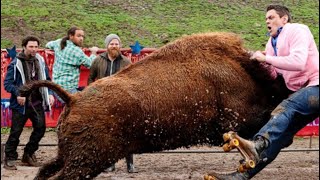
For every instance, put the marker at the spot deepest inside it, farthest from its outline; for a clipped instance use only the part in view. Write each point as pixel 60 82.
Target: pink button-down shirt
pixel 298 57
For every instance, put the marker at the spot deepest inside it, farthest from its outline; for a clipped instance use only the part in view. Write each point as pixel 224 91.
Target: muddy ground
pixel 173 166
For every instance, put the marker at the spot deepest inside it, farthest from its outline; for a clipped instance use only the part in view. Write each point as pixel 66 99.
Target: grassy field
pixel 152 22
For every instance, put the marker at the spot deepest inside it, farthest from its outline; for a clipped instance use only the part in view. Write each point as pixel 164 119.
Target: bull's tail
pixel 26 89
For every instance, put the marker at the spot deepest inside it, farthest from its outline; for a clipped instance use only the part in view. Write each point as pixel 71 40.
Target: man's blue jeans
pixel 291 115
pixel 72 91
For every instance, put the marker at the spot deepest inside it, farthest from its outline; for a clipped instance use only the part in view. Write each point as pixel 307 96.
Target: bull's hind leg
pixel 77 172
pixel 57 176
pixel 80 167
pixel 49 169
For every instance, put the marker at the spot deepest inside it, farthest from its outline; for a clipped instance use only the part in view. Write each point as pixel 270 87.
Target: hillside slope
pixel 152 22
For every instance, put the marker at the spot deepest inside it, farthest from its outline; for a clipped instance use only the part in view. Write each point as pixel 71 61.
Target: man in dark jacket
pixel 105 65
pixel 26 67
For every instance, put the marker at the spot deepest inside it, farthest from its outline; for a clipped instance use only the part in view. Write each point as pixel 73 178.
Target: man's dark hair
pixel 71 31
pixel 29 38
pixel 281 10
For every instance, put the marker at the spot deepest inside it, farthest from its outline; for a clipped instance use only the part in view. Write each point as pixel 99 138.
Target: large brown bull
pixel 186 93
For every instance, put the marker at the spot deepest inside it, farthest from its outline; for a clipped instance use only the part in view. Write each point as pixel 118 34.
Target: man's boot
pixel 30 160
pixel 256 147
pixel 111 168
pixel 130 166
pixel 253 148
pixel 9 164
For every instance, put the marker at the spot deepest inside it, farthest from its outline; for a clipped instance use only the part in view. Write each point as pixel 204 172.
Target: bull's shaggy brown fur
pixel 186 93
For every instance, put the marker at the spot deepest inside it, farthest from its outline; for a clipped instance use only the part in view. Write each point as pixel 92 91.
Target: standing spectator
pixel 68 59
pixel 291 52
pixel 105 65
pixel 109 62
pixel 28 66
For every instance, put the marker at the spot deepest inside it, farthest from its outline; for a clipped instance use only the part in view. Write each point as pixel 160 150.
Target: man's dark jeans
pixel 18 121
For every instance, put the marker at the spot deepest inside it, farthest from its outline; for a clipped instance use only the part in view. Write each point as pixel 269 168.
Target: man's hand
pixel 94 50
pixel 51 100
pixel 259 56
pixel 21 100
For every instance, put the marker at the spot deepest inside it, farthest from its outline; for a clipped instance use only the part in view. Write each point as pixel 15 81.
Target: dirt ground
pixel 173 166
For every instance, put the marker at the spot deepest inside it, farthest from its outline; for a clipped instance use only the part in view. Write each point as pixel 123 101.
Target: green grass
pixel 5 130
pixel 152 22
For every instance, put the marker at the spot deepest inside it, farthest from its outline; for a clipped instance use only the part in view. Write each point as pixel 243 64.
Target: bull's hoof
pixel 110 169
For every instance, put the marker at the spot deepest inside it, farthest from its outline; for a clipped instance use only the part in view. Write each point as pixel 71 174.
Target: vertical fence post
pixel 2 152
pixel 310 142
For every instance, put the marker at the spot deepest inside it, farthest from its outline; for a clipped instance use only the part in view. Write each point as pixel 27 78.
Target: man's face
pixel 78 37
pixel 31 48
pixel 274 21
pixel 114 48
pixel 114 43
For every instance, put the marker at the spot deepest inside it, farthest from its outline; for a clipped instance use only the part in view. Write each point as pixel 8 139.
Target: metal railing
pixel 184 151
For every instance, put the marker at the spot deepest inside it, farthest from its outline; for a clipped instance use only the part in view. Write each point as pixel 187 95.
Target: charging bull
pixel 186 93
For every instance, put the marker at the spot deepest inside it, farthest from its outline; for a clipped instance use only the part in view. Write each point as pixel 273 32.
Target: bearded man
pixel 109 62
pixel 106 64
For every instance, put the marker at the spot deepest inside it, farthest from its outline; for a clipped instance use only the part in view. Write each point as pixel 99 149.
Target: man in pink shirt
pixel 292 53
